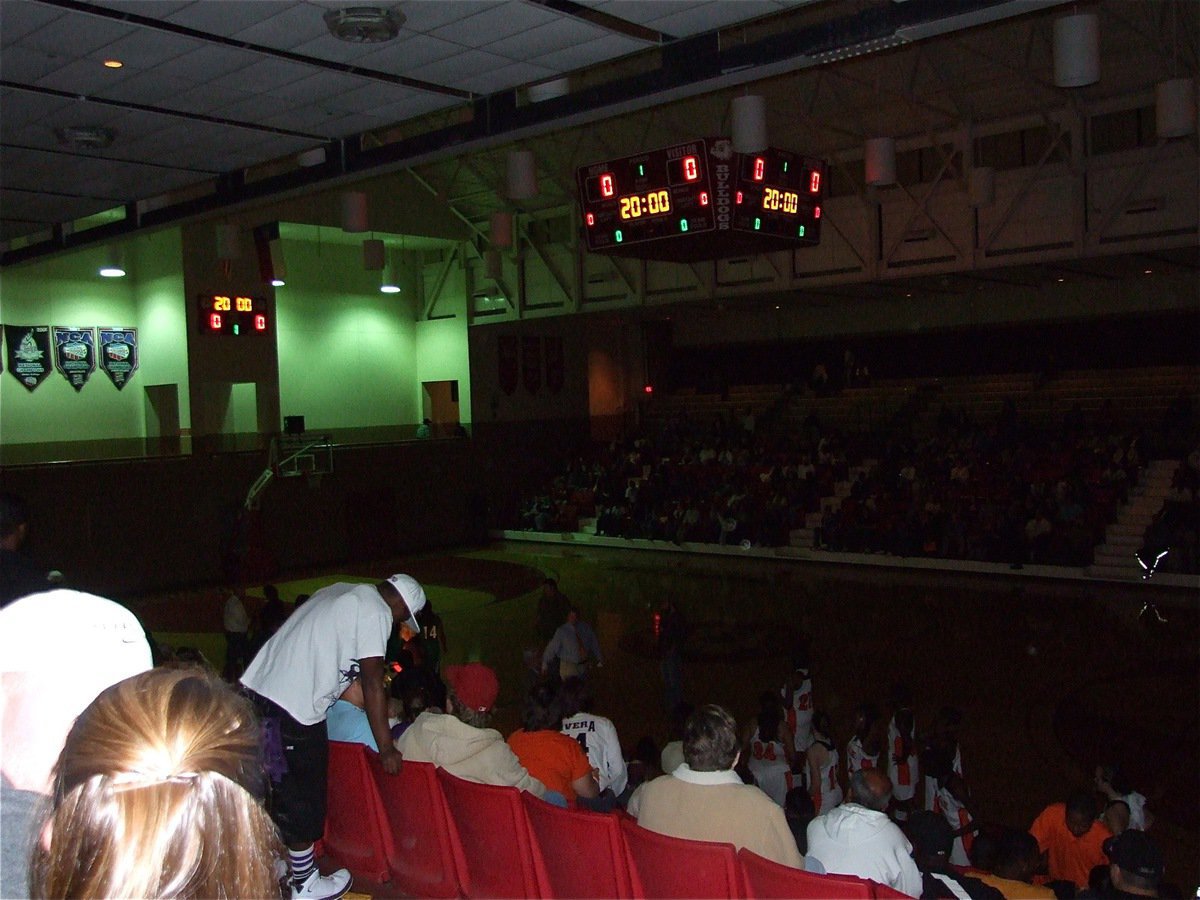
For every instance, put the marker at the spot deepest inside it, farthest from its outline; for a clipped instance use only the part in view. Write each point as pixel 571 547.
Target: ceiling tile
pixel 226 18
pixel 205 99
pixel 452 71
pixel 20 19
pixel 372 95
pixel 254 108
pixel 509 76
pixel 147 48
pixel 211 61
pixel 405 57
pixel 265 75
pixel 317 87
pixel 567 59
pixel 291 27
pixel 83 76
pixel 76 35
pixel 427 16
pixel 702 17
pixel 555 35
pixel 24 65
pixel 148 88
pixel 326 46
pixel 23 107
pixel 495 23
pixel 159 9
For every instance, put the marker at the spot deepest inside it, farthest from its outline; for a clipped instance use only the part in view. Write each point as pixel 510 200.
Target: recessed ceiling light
pixel 1148 272
pixel 277 282
pixel 112 272
pixel 389 288
pixel 113 64
pixel 1061 279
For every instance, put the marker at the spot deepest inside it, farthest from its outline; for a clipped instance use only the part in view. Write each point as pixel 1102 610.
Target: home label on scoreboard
pixel 233 314
pixel 701 200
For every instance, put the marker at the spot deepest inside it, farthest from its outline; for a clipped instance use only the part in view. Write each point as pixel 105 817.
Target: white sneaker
pixel 323 887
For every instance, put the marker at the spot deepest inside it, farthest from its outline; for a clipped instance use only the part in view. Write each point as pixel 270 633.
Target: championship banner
pixel 554 364
pixel 119 354
pixel 506 352
pixel 531 363
pixel 28 353
pixel 75 354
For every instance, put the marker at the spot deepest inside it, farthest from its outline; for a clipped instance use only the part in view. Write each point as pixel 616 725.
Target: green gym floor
pixel 1053 677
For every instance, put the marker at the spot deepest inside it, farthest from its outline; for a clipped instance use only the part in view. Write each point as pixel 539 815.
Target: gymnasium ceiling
pixel 217 97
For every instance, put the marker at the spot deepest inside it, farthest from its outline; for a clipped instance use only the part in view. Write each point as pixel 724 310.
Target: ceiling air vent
pixel 364 24
pixel 85 137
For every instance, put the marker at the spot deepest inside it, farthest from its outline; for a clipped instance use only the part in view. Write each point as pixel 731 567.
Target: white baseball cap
pixel 47 631
pixel 413 596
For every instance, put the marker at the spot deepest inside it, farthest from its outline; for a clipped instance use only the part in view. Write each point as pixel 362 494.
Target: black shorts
pixel 297 799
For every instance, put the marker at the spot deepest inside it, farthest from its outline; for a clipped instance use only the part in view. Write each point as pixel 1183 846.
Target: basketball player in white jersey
pixel 865 746
pixel 798 697
pixel 951 799
pixel 770 756
pixel 902 765
pixel 825 788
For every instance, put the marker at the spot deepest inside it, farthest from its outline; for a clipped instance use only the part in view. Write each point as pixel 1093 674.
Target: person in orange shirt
pixel 1071 838
pixel 551 757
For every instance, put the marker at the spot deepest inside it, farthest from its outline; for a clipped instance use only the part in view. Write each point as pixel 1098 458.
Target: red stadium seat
pixel 422 860
pixel 767 878
pixel 671 867
pixel 356 829
pixel 577 854
pixel 494 838
pixel 887 892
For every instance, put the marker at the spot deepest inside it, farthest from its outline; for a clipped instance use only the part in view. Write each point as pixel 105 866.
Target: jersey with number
pixel 828 792
pixel 956 814
pixel 800 713
pixel 931 787
pixel 857 758
pixel 905 772
pixel 598 738
pixel 769 766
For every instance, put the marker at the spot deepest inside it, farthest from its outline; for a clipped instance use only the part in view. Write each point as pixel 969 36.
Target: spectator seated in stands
pixel 1071 838
pixel 460 741
pixel 932 839
pixel 549 755
pixel 155 795
pixel 347 719
pixel 858 838
pixel 41 695
pixel 1135 868
pixel 705 800
pixel 1015 860
pixel 597 736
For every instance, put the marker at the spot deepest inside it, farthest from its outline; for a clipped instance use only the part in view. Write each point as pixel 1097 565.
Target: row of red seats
pixel 434 835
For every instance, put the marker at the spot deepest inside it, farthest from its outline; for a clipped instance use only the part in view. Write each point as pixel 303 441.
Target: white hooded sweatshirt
pixel 853 840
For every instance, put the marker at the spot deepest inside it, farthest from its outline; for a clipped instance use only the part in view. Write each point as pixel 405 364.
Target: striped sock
pixel 302 863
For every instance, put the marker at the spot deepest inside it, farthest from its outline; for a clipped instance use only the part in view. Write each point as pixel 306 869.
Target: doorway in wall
pixel 439 404
pixel 162 415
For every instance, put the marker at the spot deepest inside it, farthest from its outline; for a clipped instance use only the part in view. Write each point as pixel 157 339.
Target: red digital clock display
pixel 646 197
pixel 779 193
pixel 233 314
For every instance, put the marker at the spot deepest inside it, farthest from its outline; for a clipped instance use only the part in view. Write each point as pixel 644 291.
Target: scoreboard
pixel 233 314
pixel 700 200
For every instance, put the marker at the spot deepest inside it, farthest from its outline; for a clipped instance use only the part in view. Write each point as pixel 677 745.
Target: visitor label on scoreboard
pixel 28 353
pixel 75 354
pixel 119 354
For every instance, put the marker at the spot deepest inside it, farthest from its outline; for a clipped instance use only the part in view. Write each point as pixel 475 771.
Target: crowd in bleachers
pixel 996 490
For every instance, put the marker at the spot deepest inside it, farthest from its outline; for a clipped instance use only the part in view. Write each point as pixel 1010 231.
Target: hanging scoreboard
pixel 700 200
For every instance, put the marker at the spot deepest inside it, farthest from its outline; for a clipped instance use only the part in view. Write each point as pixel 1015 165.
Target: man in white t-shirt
pixel 301 671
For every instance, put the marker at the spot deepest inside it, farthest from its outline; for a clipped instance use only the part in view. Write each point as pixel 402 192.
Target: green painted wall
pixel 66 290
pixel 347 353
pixel 443 354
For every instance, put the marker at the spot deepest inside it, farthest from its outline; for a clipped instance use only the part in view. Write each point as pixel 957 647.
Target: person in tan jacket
pixel 459 740
pixel 705 800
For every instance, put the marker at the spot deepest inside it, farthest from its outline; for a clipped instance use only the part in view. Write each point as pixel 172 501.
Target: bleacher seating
pixel 441 836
